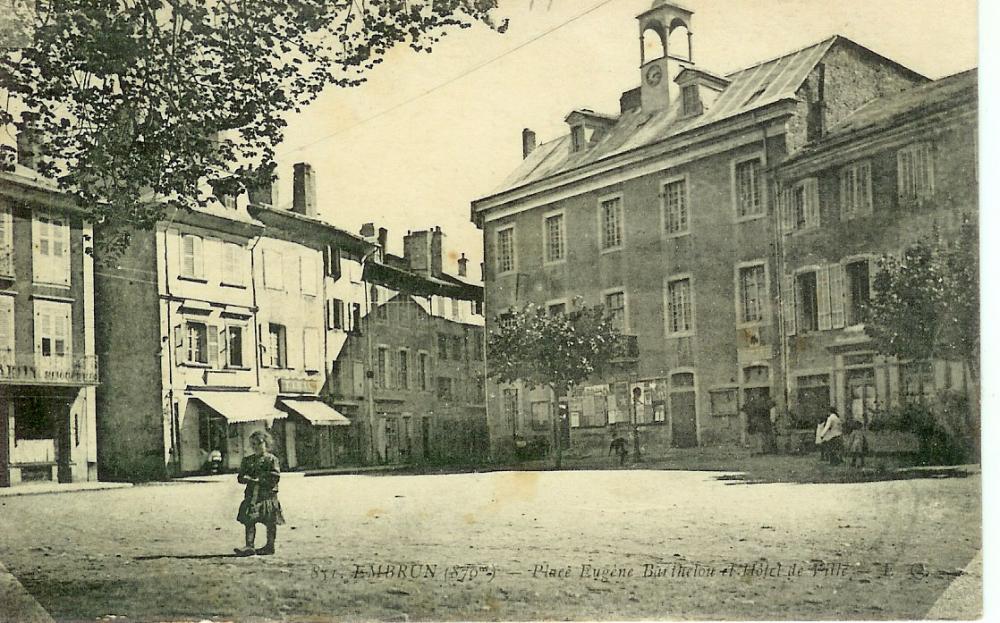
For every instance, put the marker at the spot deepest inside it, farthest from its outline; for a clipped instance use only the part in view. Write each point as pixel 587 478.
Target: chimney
pixel 463 266
pixel 437 255
pixel 304 190
pixel 527 142
pixel 383 238
pixel 417 251
pixel 368 230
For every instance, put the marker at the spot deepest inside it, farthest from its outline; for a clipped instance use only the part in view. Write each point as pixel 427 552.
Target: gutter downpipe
pixel 781 265
pixel 369 368
pixel 174 414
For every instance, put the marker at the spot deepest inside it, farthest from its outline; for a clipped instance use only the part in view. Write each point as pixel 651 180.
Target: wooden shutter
pixel 223 345
pixel 837 318
pixel 264 345
pixel 335 263
pixel 788 304
pixel 6 241
pixel 179 355
pixel 823 297
pixel 863 185
pixel 811 198
pixel 212 340
pixel 6 325
pixel 785 209
pixel 904 172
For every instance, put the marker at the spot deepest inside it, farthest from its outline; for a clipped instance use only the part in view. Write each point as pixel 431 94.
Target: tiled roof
pixel 749 89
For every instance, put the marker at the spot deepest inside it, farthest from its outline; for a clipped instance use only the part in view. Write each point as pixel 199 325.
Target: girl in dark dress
pixel 260 472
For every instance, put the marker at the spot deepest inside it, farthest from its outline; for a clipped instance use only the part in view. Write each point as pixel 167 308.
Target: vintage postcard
pixel 387 310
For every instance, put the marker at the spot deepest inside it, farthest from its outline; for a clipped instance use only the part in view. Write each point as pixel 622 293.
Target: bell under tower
pixel 664 51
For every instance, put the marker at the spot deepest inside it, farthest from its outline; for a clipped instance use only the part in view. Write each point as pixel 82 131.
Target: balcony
pixel 626 350
pixel 34 369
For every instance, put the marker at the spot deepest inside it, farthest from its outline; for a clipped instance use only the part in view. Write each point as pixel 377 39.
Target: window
pixel 356 318
pixel 192 260
pixel 679 306
pixel 403 370
pixel 557 309
pixel 748 189
pixel 555 235
pixel 457 347
pixel 335 314
pixel 51 249
pixel 611 223
pixel 691 100
pixel 277 345
pixel 752 293
pixel 424 371
pixel 915 170
pixel 540 418
pixel 6 329
pixel 455 308
pixel 478 350
pixel 311 349
pixel 6 241
pixel 234 346
pixel 858 290
pixel 274 270
pixel 442 346
pixel 444 388
pixel 505 250
pixel 614 303
pixel 232 264
pixel 856 190
pixel 307 273
pixel 802 205
pixel 675 209
pixel 382 368
pixel 331 262
pixel 806 302
pixel 510 409
pixel 52 330
pixel 196 342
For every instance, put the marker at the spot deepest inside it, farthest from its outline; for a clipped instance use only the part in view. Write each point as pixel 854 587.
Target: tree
pixel 926 307
pixel 926 303
pixel 144 104
pixel 557 351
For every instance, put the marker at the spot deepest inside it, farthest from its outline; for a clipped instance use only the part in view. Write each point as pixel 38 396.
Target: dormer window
pixel 579 137
pixel 691 100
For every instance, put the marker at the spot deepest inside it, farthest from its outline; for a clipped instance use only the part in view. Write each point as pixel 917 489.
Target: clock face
pixel 653 75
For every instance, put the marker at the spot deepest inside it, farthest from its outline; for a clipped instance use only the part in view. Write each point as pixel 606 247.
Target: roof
pixel 750 89
pixel 922 100
pixel 409 282
pixel 264 212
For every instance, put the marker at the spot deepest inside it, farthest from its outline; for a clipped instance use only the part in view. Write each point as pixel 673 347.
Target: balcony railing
pixel 34 369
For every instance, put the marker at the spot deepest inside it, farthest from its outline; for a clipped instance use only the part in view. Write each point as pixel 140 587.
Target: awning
pixel 240 406
pixel 318 413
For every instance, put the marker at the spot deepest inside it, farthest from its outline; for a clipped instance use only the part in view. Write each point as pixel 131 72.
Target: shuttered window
pixel 505 250
pixel 53 334
pixel 856 190
pixel 232 264
pixel 192 259
pixel 915 172
pixel 800 205
pixel 51 249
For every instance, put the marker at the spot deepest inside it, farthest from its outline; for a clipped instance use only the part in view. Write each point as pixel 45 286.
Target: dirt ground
pixel 619 544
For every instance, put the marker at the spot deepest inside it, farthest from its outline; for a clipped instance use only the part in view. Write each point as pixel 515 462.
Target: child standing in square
pixel 260 472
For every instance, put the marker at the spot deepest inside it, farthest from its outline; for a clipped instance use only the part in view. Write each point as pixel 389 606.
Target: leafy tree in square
pixel 557 351
pixel 145 104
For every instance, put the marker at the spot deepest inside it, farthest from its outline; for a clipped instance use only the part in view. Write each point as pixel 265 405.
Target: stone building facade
pixel 48 364
pixel 665 214
pixel 897 170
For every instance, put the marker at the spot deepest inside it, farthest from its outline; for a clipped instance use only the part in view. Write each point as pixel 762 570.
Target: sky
pixel 429 133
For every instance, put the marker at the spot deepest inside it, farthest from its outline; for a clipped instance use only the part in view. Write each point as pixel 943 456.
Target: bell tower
pixel 665 47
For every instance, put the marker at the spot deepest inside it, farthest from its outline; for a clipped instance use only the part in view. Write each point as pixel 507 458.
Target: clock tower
pixel 665 48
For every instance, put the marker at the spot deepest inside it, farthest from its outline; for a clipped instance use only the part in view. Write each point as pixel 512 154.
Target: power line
pixel 450 80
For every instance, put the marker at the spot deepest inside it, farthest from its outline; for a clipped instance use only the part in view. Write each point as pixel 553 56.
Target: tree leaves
pixel 560 350
pixel 142 104
pixel 926 302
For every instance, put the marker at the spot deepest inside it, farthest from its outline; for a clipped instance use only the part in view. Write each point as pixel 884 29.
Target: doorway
pixel 683 410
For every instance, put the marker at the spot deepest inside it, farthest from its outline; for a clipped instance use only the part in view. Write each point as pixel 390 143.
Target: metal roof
pixel 752 88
